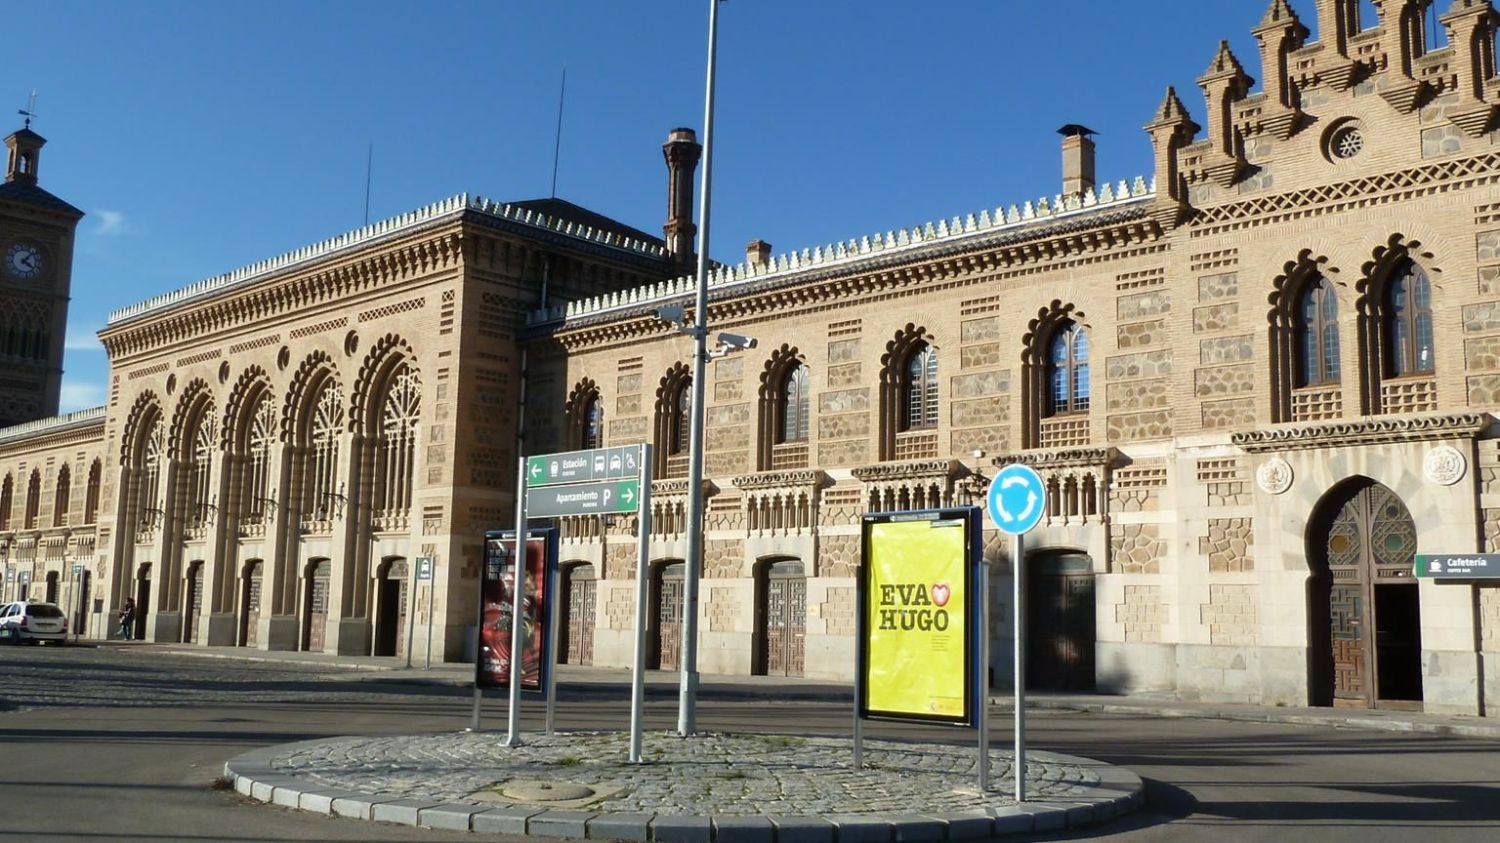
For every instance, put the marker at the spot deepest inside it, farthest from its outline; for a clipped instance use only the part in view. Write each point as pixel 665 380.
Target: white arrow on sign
pixel 628 496
pixel 1031 499
pixel 536 470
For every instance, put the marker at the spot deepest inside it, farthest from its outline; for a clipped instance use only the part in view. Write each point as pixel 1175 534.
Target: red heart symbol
pixel 940 594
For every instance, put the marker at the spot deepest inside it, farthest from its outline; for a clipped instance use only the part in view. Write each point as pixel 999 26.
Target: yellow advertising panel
pixel 915 651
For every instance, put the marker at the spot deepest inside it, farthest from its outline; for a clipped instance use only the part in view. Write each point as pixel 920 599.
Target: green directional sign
pixel 592 466
pixel 603 498
pixel 1458 566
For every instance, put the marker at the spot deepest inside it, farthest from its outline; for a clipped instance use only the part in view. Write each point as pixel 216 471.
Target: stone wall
pixel 1231 614
pixel 1228 545
pixel 1142 614
pixel 1136 548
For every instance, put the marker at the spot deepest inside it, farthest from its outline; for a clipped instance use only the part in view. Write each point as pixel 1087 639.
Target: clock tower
pixel 36 266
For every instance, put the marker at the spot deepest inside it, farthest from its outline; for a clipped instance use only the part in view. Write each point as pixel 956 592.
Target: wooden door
pixel 317 606
pixel 1060 623
pixel 669 617
pixel 252 604
pixel 195 600
pixel 1364 571
pixel 578 640
pixel 785 618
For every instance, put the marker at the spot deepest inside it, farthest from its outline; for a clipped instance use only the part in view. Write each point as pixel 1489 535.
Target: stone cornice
pixel 914 470
pixel 530 223
pixel 219 312
pixel 882 274
pixel 1374 430
pixel 678 486
pixel 779 479
pixel 1062 458
pixel 65 429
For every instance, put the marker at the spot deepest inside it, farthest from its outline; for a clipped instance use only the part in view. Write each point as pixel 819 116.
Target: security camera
pixel 673 313
pixel 729 340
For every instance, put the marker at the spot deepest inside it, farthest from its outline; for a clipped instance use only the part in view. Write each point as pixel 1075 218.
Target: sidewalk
pixel 573 680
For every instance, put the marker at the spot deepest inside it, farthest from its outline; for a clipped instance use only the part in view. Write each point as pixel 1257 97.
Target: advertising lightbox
pixel 916 648
pixel 497 589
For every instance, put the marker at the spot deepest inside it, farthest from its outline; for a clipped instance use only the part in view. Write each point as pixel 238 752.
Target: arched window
pixel 593 423
pixel 320 461
pixel 1315 322
pixel 680 424
pixel 62 496
pixel 919 388
pixel 254 494
pixel 33 498
pixel 397 448
pixel 1408 323
pixel 148 512
pixel 794 412
pixel 1068 370
pixel 7 500
pixel 91 494
pixel 199 470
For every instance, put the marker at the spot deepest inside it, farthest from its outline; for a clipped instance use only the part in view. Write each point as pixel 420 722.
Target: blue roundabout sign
pixel 1016 499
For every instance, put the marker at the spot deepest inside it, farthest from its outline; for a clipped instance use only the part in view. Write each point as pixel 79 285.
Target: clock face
pixel 23 260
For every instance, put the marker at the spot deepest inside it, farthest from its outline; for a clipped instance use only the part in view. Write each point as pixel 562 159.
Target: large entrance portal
pixel 1060 622
pixel 194 602
pixel 666 650
pixel 1365 635
pixel 580 593
pixel 780 618
pixel 142 600
pixel 390 619
pixel 250 604
pixel 315 616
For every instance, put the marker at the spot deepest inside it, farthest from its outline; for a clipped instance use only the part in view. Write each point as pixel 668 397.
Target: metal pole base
pixel 687 723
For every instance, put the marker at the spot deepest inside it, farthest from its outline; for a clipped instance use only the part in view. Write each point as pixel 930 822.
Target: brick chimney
pixel 757 253
pixel 682 152
pixel 1078 159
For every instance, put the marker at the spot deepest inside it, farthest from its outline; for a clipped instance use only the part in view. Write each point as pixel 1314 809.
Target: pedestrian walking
pixel 127 617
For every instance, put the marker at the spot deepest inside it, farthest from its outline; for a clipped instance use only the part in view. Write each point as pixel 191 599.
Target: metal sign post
pixel 425 574
pixel 1016 500
pixel 411 614
pixel 553 590
pixel 638 660
pixel 518 606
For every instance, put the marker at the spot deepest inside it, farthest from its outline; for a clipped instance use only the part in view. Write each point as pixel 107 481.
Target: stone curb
pixel 1118 792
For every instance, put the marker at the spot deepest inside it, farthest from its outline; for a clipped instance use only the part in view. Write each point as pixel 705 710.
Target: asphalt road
pixel 109 744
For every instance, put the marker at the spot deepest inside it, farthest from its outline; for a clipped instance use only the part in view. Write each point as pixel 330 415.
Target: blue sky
pixel 203 136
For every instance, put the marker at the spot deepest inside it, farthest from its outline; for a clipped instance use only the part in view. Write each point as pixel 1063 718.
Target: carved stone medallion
pixel 1445 465
pixel 1274 475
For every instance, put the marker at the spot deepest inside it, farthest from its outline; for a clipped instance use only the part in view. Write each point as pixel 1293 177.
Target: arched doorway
pixel 1060 617
pixel 580 594
pixel 666 600
pixel 250 603
pixel 52 587
pixel 1365 624
pixel 390 619
pixel 315 604
pixel 780 618
pixel 142 600
pixel 194 602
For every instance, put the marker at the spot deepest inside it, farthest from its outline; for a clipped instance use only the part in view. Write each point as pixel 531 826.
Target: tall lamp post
pixel 688 692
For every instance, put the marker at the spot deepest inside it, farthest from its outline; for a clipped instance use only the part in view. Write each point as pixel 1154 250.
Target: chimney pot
pixel 1078 159
pixel 758 253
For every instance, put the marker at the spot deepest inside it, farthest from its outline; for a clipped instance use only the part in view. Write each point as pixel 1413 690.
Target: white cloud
pixel 79 396
pixel 111 223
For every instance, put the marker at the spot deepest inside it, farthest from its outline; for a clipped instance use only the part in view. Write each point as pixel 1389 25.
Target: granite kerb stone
pixel 621 826
pixel 507 819
pixel 362 807
pixel 451 816
pixel 560 823
pixel 918 828
pixel 320 801
pixel 862 829
pixel 973 825
pixel 802 829
pixel 677 828
pixel 404 812
pixel 743 829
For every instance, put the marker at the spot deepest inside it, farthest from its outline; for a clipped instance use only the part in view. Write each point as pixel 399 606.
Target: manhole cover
pixel 532 791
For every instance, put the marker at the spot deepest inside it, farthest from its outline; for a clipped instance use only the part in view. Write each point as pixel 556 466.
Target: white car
pixel 32 622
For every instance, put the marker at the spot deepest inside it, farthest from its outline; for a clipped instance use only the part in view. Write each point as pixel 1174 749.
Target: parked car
pixel 32 622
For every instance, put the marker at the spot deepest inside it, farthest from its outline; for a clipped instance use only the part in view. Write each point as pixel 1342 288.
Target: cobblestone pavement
pixel 735 774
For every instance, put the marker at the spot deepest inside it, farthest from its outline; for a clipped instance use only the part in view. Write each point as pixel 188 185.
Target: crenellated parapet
pixel 1171 130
